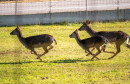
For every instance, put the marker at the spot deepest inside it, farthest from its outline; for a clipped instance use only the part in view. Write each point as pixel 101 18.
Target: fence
pixel 48 11
pixel 20 7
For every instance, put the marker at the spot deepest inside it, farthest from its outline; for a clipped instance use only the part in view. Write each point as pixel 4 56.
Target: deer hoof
pixel 38 57
pixel 40 60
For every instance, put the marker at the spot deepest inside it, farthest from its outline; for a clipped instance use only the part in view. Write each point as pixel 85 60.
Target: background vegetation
pixel 66 63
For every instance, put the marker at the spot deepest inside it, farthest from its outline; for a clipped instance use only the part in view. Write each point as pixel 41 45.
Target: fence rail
pixel 20 7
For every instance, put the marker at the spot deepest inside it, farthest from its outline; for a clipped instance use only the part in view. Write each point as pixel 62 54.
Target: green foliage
pixel 66 63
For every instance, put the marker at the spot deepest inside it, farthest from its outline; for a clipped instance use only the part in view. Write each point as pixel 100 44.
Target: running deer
pixel 86 44
pixel 37 41
pixel 118 37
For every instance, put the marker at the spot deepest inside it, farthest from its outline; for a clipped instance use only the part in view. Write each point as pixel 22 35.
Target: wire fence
pixel 20 7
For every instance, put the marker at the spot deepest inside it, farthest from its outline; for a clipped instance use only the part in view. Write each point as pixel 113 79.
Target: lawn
pixel 66 63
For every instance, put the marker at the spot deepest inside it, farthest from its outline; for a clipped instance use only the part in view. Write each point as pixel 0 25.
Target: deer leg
pixel 118 50
pixel 34 52
pixel 50 47
pixel 103 49
pixel 88 52
pixel 45 49
pixel 92 54
pixel 99 51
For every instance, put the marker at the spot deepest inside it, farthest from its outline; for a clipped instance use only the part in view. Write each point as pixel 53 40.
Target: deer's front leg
pixel 46 51
pixel 99 51
pixel 92 54
pixel 34 52
pixel 89 53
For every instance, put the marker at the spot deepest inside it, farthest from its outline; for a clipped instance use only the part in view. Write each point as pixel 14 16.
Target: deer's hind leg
pixel 118 44
pixel 118 50
pixel 50 47
pixel 103 49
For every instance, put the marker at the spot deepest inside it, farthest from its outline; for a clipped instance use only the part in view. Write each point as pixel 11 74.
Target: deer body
pixel 118 37
pixel 37 41
pixel 91 42
pixel 95 41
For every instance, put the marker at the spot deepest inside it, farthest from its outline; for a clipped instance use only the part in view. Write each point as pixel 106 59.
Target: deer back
pixel 113 36
pixel 39 40
pixel 95 41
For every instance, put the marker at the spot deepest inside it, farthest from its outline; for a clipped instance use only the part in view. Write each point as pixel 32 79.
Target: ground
pixel 66 63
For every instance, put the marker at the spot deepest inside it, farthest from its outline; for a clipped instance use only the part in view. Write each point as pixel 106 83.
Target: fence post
pixel 50 11
pixel 16 5
pixel 118 12
pixel 86 4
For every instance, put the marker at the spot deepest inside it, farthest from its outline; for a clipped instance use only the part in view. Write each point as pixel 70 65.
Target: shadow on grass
pixel 69 61
pixel 17 62
pixel 56 61
pixel 72 60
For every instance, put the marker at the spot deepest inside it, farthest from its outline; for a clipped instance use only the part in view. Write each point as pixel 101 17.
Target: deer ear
pixel 18 28
pixel 87 22
pixel 76 31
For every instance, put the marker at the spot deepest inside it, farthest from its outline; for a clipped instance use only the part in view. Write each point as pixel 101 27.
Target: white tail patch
pixel 127 42
pixel 107 41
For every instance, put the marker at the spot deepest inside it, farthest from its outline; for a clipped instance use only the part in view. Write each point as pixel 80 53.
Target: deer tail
pixel 127 42
pixel 128 39
pixel 106 41
pixel 54 40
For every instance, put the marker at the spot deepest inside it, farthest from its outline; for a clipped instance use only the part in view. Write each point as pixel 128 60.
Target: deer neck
pixel 90 31
pixel 77 38
pixel 21 38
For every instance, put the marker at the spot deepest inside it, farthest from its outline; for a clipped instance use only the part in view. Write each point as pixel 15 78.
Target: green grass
pixel 66 63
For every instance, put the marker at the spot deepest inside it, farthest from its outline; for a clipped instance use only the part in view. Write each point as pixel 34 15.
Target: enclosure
pixel 67 62
pixel 22 12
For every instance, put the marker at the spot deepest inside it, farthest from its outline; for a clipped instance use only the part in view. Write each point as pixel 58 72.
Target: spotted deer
pixel 118 37
pixel 86 44
pixel 37 41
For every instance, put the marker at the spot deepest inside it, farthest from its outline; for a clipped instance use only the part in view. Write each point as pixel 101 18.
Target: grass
pixel 66 63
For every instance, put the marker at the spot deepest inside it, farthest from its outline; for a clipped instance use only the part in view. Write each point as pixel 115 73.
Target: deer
pixel 86 44
pixel 117 37
pixel 44 41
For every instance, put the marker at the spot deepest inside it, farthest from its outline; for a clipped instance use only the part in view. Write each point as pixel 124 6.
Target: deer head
pixel 83 27
pixel 15 32
pixel 73 34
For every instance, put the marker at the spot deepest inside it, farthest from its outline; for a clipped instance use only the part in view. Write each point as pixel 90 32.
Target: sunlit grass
pixel 66 63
